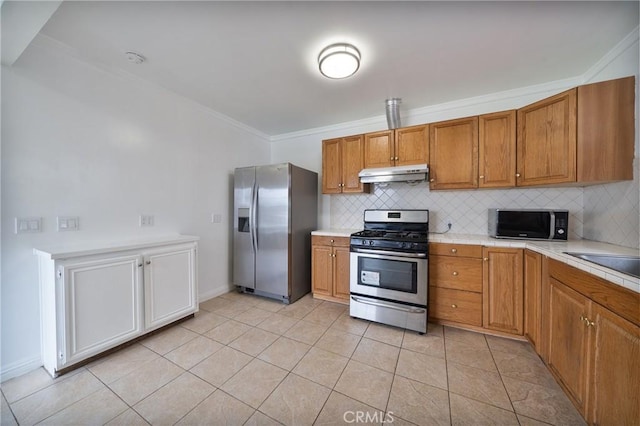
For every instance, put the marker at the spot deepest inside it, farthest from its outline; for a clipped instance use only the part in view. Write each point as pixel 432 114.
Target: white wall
pixel 80 141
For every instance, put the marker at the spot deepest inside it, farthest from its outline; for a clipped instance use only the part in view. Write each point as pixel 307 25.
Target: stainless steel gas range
pixel 389 268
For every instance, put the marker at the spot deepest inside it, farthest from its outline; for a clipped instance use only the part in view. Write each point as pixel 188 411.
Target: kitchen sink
pixel 626 264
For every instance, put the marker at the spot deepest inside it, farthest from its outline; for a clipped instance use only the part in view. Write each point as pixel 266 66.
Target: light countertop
pixel 99 247
pixel 552 249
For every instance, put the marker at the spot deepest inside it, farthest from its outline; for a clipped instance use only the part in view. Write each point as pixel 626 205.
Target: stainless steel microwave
pixel 529 224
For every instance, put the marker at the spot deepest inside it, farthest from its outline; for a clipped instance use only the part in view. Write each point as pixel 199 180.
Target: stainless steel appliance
pixel 412 173
pixel 389 268
pixel 529 224
pixel 275 210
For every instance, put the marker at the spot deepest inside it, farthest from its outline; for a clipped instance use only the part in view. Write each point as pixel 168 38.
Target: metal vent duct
pixel 393 112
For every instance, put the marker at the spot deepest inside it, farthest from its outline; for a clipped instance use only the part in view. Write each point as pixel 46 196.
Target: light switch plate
pixel 146 220
pixel 28 225
pixel 68 223
pixel 216 218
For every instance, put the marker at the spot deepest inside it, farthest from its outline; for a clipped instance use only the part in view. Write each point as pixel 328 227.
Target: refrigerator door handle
pixel 254 219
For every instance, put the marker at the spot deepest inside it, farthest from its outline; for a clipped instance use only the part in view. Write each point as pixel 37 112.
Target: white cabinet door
pixel 169 285
pixel 102 306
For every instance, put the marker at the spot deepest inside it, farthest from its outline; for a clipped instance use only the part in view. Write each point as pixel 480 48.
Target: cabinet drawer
pixel 457 273
pixel 455 305
pixel 458 250
pixel 323 240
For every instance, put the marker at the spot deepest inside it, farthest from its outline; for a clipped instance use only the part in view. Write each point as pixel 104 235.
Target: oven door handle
pixel 409 309
pixel 389 253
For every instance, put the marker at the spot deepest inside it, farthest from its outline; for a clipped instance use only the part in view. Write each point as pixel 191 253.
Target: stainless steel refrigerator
pixel 275 209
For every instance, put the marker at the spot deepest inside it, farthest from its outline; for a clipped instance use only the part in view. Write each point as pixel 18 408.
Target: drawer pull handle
pixel 332 241
pixel 455 273
pixel 454 306
pixel 454 250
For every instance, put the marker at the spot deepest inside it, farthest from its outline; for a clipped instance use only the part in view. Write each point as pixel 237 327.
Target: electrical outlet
pixel 68 223
pixel 216 218
pixel 146 220
pixel 28 224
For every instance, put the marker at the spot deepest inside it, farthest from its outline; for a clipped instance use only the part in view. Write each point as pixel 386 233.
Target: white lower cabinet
pixel 169 286
pixel 95 299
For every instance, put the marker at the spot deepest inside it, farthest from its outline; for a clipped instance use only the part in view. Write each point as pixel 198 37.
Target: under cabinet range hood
pixel 412 173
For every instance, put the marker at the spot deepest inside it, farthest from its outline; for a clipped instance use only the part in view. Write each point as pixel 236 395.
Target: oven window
pixel 389 274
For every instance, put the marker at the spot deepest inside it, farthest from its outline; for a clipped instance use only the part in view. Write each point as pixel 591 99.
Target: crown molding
pixel 53 45
pixel 625 44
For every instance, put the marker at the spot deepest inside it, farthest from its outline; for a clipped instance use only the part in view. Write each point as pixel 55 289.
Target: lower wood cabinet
pixel 593 343
pixel 569 340
pixel 503 296
pixel 477 286
pixel 100 297
pixel 455 283
pixel 330 268
pixel 533 298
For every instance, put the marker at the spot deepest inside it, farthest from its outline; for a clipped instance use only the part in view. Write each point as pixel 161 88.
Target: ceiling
pixel 256 62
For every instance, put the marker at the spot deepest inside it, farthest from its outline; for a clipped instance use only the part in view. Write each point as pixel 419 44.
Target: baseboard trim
pixel 19 368
pixel 214 293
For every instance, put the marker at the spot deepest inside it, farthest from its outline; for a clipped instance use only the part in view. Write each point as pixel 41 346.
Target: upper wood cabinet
pixel 547 141
pixel 412 145
pixel 497 150
pixel 606 131
pixel 342 160
pixel 399 147
pixel 453 154
pixel 582 136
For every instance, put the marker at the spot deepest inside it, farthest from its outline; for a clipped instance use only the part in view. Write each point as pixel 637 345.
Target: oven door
pixel 389 275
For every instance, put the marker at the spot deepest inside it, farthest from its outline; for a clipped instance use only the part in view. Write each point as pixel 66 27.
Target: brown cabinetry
pixel 330 268
pixel 533 298
pixel 497 150
pixel 453 154
pixel 503 299
pixel 569 340
pixel 547 141
pixel 399 147
pixel 584 135
pixel 455 283
pixel 615 373
pixel 342 160
pixel 593 336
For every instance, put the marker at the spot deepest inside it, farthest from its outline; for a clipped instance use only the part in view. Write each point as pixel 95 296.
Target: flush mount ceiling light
pixel 339 60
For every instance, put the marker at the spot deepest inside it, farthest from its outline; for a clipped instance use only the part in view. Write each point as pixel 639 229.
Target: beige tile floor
pixel 249 360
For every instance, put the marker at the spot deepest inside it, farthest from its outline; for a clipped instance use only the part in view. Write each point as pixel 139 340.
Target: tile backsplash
pixel 609 213
pixel 466 210
pixel 612 213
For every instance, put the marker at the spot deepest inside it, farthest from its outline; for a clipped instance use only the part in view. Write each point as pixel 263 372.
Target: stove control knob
pixel 370 242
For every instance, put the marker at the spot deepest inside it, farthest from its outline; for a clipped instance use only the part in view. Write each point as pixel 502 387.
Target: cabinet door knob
pixel 485 259
pixel 454 250
pixel 139 265
pixel 454 306
pixel 517 174
pixel 455 273
pixel 332 241
pixel 432 180
pixel 396 158
pixel 148 262
pixel 481 177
